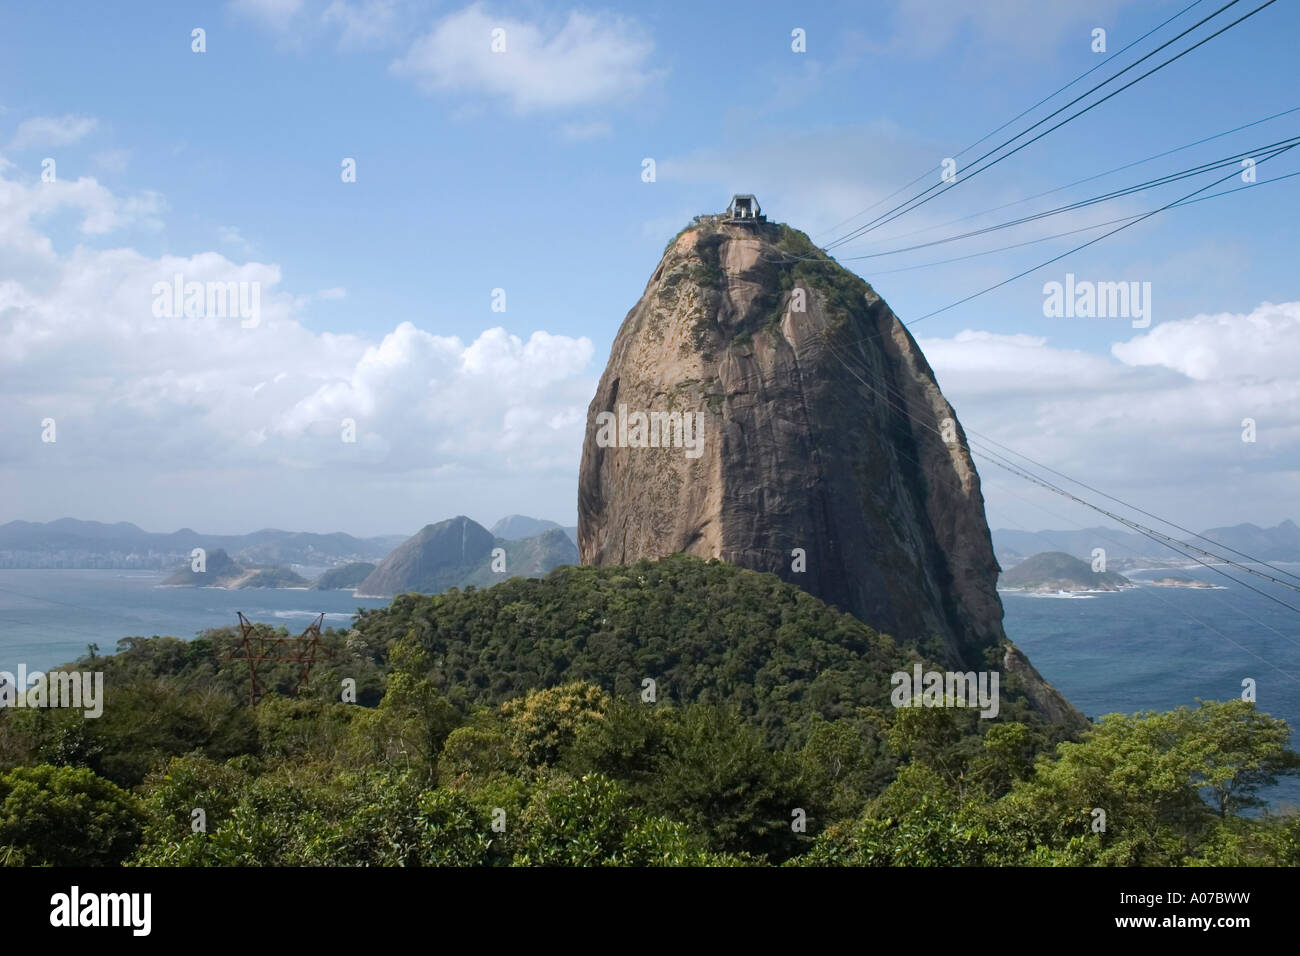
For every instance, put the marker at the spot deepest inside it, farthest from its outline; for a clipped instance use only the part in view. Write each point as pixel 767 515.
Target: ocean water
pixel 47 617
pixel 1158 648
pixel 1143 649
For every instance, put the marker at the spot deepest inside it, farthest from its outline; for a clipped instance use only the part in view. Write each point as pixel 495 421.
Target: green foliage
pixel 543 723
pixel 1265 841
pixel 715 775
pixel 592 821
pixel 65 816
pixel 1148 773
pixel 476 753
pixel 842 765
pixel 707 632
pixel 506 727
pixel 918 821
pixel 367 819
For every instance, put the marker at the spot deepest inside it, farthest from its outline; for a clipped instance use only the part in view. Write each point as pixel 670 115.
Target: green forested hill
pixel 705 632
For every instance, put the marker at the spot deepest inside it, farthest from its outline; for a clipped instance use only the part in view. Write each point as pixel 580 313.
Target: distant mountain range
pixel 1280 543
pixel 72 543
pixel 457 552
pixel 514 527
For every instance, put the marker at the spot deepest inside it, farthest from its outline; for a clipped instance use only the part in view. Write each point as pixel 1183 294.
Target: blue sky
pixel 522 171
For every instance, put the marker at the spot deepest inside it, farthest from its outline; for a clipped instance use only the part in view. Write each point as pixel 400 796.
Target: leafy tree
pixel 1234 751
pixel 592 821
pixel 716 776
pixel 543 723
pixel 476 752
pixel 1147 773
pixel 842 765
pixel 920 820
pixel 66 816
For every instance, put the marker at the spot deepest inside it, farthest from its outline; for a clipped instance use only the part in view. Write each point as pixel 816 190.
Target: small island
pixel 221 571
pixel 1055 572
pixel 1174 582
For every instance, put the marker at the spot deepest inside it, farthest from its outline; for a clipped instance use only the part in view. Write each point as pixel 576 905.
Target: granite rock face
pixel 825 452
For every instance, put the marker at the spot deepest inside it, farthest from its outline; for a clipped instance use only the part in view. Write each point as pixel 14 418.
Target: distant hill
pixel 220 571
pixel 1011 546
pixel 1057 571
pixel 517 527
pixel 529 558
pixel 273 578
pixel 514 527
pixel 1280 543
pixel 346 578
pixel 458 553
pixel 438 557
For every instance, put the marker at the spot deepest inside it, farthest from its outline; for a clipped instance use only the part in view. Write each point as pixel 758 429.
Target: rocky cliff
pixel 814 443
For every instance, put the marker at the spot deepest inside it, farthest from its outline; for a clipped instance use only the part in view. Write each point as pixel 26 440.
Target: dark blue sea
pixel 1156 648
pixel 1144 649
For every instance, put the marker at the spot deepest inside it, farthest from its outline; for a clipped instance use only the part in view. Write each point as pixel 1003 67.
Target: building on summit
pixel 744 208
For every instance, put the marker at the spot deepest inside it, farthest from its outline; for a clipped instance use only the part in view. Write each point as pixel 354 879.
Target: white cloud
pixel 589 59
pixel 1159 422
pixel 134 393
pixel 976 363
pixel 52 131
pixel 102 212
pixel 1265 344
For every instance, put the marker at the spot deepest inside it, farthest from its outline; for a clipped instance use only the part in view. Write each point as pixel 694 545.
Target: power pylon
pixel 256 648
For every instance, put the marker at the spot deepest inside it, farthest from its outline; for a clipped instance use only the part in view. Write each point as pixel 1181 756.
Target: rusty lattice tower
pixel 257 648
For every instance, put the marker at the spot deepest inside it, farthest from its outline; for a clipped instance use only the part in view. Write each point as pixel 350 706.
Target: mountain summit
pixel 764 406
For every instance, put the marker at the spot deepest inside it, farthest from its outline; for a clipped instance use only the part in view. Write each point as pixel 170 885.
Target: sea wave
pixel 329 615
pixel 1059 595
